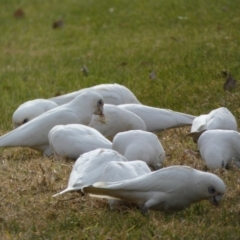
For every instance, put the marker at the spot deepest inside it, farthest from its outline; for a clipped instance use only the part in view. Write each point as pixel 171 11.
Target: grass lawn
pixel 187 44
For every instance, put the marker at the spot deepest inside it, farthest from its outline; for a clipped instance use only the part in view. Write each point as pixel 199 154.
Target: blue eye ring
pixel 211 190
pixel 100 102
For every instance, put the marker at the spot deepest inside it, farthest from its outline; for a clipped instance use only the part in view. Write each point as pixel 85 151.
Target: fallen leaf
pixel 57 94
pixel 58 24
pixel 84 70
pixel 123 64
pixel 152 75
pixel 19 13
pixel 230 82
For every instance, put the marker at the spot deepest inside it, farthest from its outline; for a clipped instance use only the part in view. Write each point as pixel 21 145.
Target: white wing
pixel 118 171
pixel 117 120
pixel 72 140
pixel 159 119
pixel 35 132
pixel 112 93
pixel 130 144
pixel 164 180
pixel 220 118
pixel 89 168
pixel 170 188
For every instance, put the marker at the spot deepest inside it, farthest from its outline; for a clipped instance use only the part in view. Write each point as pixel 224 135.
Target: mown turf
pixel 186 43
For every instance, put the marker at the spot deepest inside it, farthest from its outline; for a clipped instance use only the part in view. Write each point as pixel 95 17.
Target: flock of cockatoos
pixel 79 125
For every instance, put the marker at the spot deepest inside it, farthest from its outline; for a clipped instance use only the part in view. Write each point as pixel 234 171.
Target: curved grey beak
pixel 216 199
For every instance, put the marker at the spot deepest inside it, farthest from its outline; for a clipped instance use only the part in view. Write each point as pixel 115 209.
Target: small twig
pixel 64 165
pixel 43 171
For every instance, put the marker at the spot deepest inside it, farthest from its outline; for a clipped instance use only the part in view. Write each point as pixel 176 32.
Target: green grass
pixel 186 43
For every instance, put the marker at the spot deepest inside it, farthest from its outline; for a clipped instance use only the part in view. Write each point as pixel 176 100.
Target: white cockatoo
pixel 89 168
pixel 140 145
pixel 116 120
pixel 72 140
pixel 175 188
pixel 220 118
pixel 34 134
pixel 219 147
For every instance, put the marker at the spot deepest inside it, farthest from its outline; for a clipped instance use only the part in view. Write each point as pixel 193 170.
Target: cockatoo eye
pixel 25 120
pixel 211 190
pixel 100 102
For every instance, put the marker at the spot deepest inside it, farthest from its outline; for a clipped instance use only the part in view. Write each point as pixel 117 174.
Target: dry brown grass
pixel 28 210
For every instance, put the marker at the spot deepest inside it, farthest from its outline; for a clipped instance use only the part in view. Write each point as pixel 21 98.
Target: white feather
pixel 219 147
pixel 34 133
pixel 220 118
pixel 116 120
pixel 112 94
pixel 175 187
pixel 118 171
pixel 89 168
pixel 72 140
pixel 31 109
pixel 157 119
pixel 140 145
